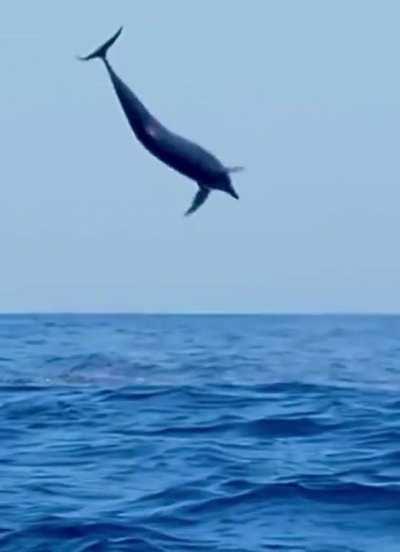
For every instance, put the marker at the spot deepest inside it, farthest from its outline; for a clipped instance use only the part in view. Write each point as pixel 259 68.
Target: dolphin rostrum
pixel 177 152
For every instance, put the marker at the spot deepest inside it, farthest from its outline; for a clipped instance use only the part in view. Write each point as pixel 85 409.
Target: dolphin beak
pixel 232 193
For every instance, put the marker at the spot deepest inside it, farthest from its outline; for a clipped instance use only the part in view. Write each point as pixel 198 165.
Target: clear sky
pixel 305 94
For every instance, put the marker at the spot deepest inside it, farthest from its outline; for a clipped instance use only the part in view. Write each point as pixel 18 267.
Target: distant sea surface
pixel 199 433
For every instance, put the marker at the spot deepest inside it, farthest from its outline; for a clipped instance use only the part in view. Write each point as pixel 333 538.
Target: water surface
pixel 198 433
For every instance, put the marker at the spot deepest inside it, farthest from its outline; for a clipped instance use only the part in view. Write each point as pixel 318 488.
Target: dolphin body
pixel 177 152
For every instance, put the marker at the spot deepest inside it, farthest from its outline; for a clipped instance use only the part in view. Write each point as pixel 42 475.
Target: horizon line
pixel 197 313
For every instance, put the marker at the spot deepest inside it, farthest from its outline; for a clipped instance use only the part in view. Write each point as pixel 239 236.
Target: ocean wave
pixel 341 494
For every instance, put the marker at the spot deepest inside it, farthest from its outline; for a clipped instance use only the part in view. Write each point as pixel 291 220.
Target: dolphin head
pixel 224 183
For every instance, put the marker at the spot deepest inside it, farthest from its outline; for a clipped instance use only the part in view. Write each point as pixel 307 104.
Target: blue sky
pixel 305 94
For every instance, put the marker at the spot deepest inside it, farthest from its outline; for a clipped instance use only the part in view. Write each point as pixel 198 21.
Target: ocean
pixel 199 433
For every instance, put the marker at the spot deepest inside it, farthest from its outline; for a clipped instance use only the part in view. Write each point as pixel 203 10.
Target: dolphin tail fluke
pixel 198 200
pixel 102 51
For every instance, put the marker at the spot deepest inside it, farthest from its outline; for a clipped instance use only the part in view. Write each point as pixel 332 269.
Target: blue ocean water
pixel 198 433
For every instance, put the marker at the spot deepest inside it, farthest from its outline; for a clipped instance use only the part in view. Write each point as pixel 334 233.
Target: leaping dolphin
pixel 177 152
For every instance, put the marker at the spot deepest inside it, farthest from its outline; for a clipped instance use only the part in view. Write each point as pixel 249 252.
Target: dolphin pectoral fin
pixel 198 200
pixel 234 169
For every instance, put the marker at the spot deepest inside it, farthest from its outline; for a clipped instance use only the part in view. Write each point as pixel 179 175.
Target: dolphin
pixel 177 152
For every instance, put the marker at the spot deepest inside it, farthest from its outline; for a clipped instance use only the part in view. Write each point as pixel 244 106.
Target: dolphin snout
pixel 232 193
